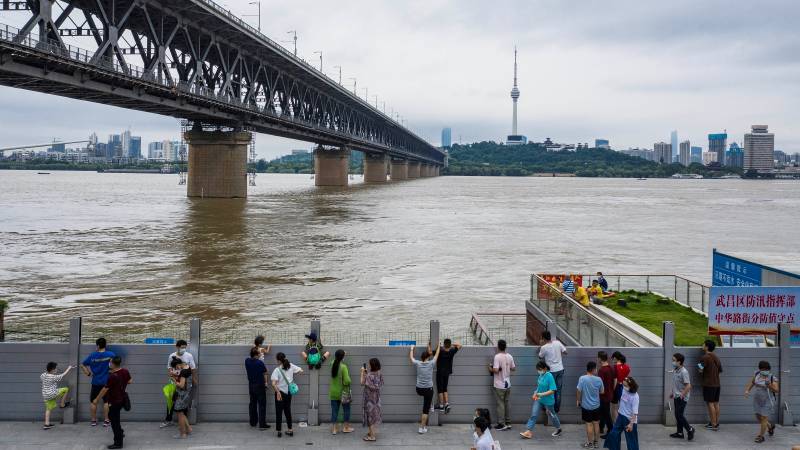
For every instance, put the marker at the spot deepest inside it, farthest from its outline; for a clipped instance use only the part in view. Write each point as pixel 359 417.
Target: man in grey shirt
pixel 681 388
pixel 425 366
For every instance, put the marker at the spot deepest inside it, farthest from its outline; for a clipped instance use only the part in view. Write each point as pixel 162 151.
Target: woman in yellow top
pixel 582 296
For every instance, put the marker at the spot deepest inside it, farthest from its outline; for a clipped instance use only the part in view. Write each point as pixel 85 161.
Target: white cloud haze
pixel 629 71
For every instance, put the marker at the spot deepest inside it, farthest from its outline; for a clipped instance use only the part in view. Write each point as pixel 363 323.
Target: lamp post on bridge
pixel 320 59
pixel 258 2
pixel 376 101
pixel 354 85
pixel 340 73
pixel 366 94
pixel 294 32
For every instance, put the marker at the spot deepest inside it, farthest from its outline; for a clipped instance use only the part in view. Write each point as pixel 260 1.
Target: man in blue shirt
pixel 590 386
pixel 568 286
pixel 257 379
pixel 96 365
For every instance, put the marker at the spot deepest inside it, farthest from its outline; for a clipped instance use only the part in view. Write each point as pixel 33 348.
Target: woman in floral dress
pixel 372 380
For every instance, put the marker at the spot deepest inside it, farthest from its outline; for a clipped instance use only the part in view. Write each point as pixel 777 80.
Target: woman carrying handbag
pixel 285 388
pixel 339 393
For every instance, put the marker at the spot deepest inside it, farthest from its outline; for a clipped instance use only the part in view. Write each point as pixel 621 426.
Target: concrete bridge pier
pixel 374 167
pixel 217 164
pixel 399 169
pixel 413 169
pixel 331 166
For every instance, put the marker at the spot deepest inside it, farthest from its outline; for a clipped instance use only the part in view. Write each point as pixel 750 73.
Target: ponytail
pixel 281 357
pixel 338 357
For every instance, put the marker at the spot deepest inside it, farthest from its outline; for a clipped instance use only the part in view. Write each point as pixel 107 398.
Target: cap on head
pixel 312 336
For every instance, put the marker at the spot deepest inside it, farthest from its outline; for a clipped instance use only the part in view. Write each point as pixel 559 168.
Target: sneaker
pixel 595 444
pixel 106 423
pixel 422 430
pixel 438 407
pixel 690 433
pixel 505 427
pixel 500 427
pixel 709 426
pixel 715 427
pixel 447 408
pixel 556 433
pixel 588 445
pixel 165 424
pixel 676 435
pixel 93 423
pixel 47 426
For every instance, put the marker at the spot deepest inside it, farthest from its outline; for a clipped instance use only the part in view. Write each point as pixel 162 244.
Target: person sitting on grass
pixel 315 353
pixel 51 392
pixel 596 293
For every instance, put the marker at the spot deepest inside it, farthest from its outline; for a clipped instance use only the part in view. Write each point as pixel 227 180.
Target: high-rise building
pixel 734 157
pixel 697 155
pixel 685 156
pixel 114 148
pixel 781 158
pixel 170 150
pixel 759 147
pixel 155 151
pixel 662 153
pixel 135 147
pixel 601 143
pixel 709 158
pixel 125 137
pixel 514 138
pixel 673 139
pixel 447 137
pixel 717 143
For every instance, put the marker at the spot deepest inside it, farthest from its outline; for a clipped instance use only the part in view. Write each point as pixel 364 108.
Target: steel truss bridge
pixel 194 60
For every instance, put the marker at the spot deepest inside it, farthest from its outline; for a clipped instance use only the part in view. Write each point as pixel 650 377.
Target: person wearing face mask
pixel 184 356
pixel 626 418
pixel 765 385
pixel 681 388
pixel 544 397
pixel 482 437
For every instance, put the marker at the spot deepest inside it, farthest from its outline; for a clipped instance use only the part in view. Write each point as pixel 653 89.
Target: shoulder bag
pixel 293 388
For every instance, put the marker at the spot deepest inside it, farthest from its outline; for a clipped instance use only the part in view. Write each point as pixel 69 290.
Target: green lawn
pixel 691 328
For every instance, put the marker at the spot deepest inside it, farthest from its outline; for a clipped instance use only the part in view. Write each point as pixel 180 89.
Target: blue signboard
pixel 160 341
pixel 753 309
pixel 731 271
pixel 402 343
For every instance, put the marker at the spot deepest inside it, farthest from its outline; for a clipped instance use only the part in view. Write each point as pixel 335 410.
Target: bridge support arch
pixel 217 164
pixel 331 166
pixel 374 167
pixel 413 169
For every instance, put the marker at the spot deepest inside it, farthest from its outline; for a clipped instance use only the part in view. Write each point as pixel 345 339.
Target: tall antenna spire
pixel 514 95
pixel 515 65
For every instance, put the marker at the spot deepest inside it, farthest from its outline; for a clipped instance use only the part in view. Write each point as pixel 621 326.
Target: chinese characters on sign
pixel 752 310
pixel 730 271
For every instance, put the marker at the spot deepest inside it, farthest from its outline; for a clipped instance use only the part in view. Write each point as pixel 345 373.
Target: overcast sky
pixel 628 71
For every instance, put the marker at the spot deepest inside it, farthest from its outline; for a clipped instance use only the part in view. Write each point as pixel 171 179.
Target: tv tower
pixel 515 95
pixel 515 138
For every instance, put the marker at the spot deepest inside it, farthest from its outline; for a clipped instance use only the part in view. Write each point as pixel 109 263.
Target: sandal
pixel 368 439
pixel 772 430
pixel 759 439
pixel 65 405
pixel 526 436
pixel 348 430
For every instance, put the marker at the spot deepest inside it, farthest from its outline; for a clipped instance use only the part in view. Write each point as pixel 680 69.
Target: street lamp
pixel 366 94
pixel 376 101
pixel 258 2
pixel 340 73
pixel 354 85
pixel 294 32
pixel 320 59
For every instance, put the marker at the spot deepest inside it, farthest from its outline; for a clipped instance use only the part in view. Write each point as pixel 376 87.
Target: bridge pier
pixel 399 169
pixel 217 164
pixel 331 166
pixel 413 169
pixel 374 167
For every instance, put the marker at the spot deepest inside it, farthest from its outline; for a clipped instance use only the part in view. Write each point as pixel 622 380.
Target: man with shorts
pixel 444 368
pixel 590 387
pixel 96 365
pixel 710 367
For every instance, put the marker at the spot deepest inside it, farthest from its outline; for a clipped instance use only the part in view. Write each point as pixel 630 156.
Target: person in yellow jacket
pixel 582 296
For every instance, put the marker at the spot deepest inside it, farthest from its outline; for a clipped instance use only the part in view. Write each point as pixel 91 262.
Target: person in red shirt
pixel 621 371
pixel 118 381
pixel 606 373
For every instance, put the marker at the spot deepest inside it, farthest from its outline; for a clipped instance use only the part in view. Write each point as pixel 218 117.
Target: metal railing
pixel 580 323
pixel 488 328
pixel 676 287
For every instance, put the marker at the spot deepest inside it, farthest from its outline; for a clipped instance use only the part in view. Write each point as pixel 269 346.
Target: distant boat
pixel 642 179
pixel 730 176
pixel 688 176
pixel 43 173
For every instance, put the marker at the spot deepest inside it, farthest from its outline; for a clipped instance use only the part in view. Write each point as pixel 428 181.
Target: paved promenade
pixel 26 435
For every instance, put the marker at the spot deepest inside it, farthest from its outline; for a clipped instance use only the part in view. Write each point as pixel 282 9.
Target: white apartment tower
pixel 685 155
pixel 759 149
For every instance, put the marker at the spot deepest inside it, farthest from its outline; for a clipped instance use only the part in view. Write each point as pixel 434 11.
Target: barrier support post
pixel 433 414
pixel 195 335
pixel 313 382
pixel 668 346
pixel 71 413
pixel 785 416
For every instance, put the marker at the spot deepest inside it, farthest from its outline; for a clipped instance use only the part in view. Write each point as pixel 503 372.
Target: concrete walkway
pixel 26 435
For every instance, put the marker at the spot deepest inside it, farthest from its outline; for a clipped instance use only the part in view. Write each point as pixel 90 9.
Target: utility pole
pixel 258 2
pixel 340 73
pixel 320 59
pixel 354 85
pixel 366 94
pixel 376 101
pixel 294 32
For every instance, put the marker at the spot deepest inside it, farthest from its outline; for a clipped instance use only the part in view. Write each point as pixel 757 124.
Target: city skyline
pixel 633 67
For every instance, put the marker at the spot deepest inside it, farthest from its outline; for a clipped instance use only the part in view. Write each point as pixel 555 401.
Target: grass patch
pixel 650 310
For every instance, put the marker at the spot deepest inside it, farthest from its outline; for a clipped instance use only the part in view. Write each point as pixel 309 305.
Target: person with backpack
pixel 764 386
pixel 114 393
pixel 424 385
pixel 339 393
pixel 51 393
pixel 285 387
pixel 444 368
pixel 314 353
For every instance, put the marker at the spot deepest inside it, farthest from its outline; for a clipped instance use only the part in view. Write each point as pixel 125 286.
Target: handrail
pixel 588 311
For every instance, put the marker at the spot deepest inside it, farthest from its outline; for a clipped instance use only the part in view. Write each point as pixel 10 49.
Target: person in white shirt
pixel 259 344
pixel 482 437
pixel 51 392
pixel 501 368
pixel 186 357
pixel 551 352
pixel 282 381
